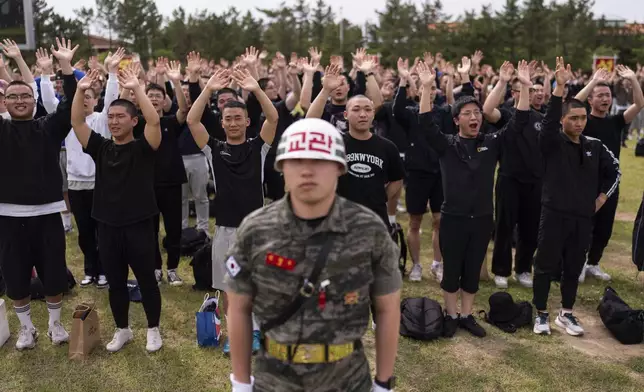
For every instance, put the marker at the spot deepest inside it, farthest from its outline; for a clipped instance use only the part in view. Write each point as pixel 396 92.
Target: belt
pixel 310 353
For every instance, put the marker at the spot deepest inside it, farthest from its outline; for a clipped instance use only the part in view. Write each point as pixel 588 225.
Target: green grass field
pixel 499 362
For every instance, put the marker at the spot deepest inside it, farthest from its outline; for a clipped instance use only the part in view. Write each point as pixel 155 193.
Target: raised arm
pixel 524 77
pixel 332 80
pixel 11 50
pixel 307 83
pixel 81 129
pixel 551 123
pixel 45 63
pixel 367 65
pixel 152 133
pixel 293 98
pixel 437 140
pixel 427 78
pixel 245 80
pixel 601 75
pixel 217 81
pixel 173 71
pixel 638 97
pixel 4 74
pixel 490 110
pixel 111 64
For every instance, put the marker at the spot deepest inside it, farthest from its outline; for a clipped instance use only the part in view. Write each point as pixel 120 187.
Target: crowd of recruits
pixel 126 231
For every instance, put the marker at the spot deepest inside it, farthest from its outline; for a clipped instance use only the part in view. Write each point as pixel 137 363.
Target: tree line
pixel 527 29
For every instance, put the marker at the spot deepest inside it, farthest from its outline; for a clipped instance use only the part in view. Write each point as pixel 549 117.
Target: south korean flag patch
pixel 232 267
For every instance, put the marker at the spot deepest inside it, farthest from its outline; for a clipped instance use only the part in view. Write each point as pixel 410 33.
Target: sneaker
pixel 226 348
pixel 542 324
pixel 437 271
pixel 154 340
pixel 173 278
pixel 582 276
pixel 597 272
pixel 26 338
pixel 501 282
pixel 87 280
pixel 469 323
pixel 57 333
pixel 158 274
pixel 257 344
pixel 120 339
pixel 102 282
pixel 416 273
pixel 524 279
pixel 570 323
pixel 450 325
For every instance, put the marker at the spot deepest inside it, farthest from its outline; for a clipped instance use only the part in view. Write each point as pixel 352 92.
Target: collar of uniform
pixel 334 222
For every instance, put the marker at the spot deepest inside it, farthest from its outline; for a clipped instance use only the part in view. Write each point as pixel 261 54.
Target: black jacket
pixel 575 173
pixel 468 180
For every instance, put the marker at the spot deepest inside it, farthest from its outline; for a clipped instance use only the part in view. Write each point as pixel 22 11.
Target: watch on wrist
pixel 389 384
pixel 369 74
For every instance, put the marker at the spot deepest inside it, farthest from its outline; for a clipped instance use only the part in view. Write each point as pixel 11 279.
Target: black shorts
pixel 28 242
pixel 423 188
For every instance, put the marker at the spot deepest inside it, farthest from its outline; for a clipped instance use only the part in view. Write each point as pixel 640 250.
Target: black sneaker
pixel 469 323
pixel 450 325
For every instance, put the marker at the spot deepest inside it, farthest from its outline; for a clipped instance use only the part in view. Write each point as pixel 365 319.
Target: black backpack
pixel 507 315
pixel 191 240
pixel 202 268
pixel 398 235
pixel 421 318
pixel 626 324
pixel 639 148
pixel 638 238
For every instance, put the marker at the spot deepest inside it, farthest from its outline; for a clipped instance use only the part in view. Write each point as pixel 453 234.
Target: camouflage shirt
pixel 362 263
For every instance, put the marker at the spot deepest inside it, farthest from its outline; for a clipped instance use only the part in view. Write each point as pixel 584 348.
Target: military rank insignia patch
pixel 280 261
pixel 351 298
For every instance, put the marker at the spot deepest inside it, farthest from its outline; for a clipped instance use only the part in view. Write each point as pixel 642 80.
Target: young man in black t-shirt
pixel 124 202
pixel 237 164
pixel 608 129
pixel 375 169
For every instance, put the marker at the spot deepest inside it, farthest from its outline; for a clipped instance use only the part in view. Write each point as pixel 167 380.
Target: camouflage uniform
pixel 362 264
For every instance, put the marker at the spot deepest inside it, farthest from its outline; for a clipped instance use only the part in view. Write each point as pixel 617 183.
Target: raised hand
pixel 93 62
pixel 532 67
pixel 44 61
pixel 316 55
pixel 601 75
pixel 280 60
pixel 428 58
pixel 219 80
pixel 625 72
pixel 368 64
pixel 332 78
pixel 65 51
pixel 250 56
pixel 524 73
pixel 245 80
pixel 506 71
pixel 10 49
pixel 160 66
pixel 449 69
pixel 194 62
pixel 90 77
pixel 112 61
pixel 307 67
pixel 426 74
pixel 563 72
pixel 466 65
pixel 477 57
pixel 403 67
pixel 173 71
pixel 128 78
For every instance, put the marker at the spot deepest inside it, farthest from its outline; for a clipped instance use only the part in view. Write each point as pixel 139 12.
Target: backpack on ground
pixel 202 268
pixel 638 238
pixel 624 323
pixel 506 314
pixel 639 148
pixel 208 322
pixel 398 235
pixel 191 240
pixel 421 318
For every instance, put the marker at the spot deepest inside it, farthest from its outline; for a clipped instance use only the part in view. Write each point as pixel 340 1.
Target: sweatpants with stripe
pixel 561 254
pixel 130 246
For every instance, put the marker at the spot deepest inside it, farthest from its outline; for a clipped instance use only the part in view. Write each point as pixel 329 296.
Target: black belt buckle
pixel 307 289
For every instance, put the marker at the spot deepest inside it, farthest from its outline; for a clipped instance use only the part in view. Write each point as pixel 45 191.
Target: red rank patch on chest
pixel 280 261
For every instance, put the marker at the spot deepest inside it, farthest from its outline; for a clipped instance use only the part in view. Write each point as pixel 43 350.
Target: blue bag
pixel 208 323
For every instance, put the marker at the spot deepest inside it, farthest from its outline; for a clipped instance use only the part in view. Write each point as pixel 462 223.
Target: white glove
pixel 378 388
pixel 241 387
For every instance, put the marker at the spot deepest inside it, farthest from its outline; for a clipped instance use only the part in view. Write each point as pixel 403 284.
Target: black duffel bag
pixel 626 324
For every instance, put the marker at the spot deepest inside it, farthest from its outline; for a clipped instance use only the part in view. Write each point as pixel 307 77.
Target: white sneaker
pixel 158 274
pixel 597 272
pixel 416 274
pixel 26 338
pixel 541 324
pixel 102 282
pixel 373 325
pixel 87 280
pixel 501 282
pixel 120 339
pixel 154 340
pixel 437 271
pixel 57 333
pixel 582 276
pixel 525 279
pixel 570 323
pixel 173 278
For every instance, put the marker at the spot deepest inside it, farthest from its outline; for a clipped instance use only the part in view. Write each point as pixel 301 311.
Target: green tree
pixel 509 32
pixel 139 22
pixel 86 17
pixel 107 12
